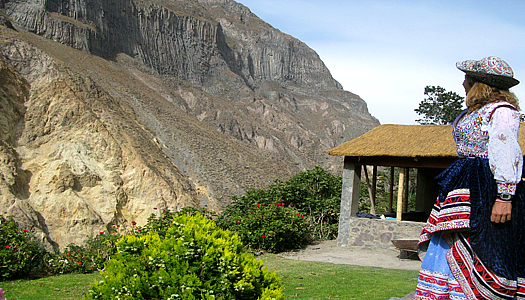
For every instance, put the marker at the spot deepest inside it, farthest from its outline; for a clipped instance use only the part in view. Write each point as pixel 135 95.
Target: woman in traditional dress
pixel 473 245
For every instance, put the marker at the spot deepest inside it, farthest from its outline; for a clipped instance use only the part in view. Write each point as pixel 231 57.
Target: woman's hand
pixel 501 212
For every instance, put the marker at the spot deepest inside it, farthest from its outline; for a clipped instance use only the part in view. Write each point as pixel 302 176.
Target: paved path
pixel 328 251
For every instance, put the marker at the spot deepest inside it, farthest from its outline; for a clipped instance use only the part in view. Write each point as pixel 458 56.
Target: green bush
pixel 20 252
pixel 162 222
pixel 315 194
pixel 83 259
pixel 74 259
pixel 100 248
pixel 272 227
pixel 195 260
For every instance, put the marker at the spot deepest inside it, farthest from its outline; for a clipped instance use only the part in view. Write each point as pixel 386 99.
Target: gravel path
pixel 328 251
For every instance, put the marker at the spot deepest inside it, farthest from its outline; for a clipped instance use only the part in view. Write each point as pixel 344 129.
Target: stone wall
pixel 371 233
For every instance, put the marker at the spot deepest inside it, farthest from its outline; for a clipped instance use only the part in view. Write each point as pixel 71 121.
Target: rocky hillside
pixel 113 110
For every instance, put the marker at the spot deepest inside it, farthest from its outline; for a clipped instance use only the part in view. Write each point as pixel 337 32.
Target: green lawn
pixel 302 280
pixel 317 280
pixel 63 287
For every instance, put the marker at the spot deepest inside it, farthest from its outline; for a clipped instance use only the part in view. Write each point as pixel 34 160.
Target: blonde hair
pixel 481 94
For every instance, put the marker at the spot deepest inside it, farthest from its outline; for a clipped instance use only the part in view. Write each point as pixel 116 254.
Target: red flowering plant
pixel 74 259
pixel 91 257
pixel 100 248
pixel 20 252
pixel 273 227
pixel 315 195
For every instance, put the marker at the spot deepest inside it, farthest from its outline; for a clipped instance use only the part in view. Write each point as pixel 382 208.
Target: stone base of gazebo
pixel 376 233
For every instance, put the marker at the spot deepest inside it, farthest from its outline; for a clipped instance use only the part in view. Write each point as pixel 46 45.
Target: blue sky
pixel 388 51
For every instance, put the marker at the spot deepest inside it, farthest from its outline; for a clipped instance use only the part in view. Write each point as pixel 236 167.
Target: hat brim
pixel 498 81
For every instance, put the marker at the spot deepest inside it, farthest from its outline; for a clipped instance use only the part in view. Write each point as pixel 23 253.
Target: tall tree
pixel 439 106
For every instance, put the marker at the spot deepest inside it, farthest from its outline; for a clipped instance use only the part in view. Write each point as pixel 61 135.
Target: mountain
pixel 113 110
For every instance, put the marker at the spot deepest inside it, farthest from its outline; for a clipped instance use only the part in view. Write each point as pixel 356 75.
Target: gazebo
pixel 428 148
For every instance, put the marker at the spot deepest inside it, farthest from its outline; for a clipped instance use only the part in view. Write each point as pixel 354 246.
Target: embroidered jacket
pixel 492 132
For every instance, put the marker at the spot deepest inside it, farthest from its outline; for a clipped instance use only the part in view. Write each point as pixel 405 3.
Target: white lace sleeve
pixel 505 157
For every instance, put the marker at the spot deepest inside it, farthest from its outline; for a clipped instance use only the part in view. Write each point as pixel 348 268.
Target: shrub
pixel 20 252
pixel 195 260
pixel 272 227
pixel 73 259
pixel 100 248
pixel 315 194
pixel 83 259
pixel 162 222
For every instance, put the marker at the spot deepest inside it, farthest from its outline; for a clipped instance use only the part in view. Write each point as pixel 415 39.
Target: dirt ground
pixel 328 251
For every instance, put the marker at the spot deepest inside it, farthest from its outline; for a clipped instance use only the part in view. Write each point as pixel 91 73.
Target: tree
pixel 439 107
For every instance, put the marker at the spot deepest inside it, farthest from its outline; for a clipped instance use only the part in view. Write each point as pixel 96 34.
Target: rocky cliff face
pixel 113 110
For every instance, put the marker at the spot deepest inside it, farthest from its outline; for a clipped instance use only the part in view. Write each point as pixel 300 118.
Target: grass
pixel 62 287
pixel 302 280
pixel 317 280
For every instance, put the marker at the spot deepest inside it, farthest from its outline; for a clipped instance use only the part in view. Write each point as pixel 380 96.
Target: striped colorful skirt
pixel 465 255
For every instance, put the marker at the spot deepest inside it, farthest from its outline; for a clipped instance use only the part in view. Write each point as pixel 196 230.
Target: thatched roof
pixel 409 141
pixel 401 141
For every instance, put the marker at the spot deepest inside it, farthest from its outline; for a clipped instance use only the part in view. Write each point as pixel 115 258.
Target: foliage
pixel 102 247
pixel 20 252
pixel 195 260
pixel 382 192
pixel 73 259
pixel 162 222
pixel 316 194
pixel 272 227
pixel 83 259
pixel 439 107
pixel 313 192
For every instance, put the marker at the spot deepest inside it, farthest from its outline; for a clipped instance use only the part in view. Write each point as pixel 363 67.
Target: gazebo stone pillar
pixel 349 199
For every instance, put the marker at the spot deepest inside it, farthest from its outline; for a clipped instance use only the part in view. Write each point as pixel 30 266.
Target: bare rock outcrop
pixel 113 110
pixel 71 172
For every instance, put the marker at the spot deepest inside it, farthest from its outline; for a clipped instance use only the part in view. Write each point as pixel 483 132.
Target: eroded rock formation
pixel 113 110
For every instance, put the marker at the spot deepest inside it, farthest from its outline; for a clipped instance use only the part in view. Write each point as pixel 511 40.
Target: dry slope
pixel 112 110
